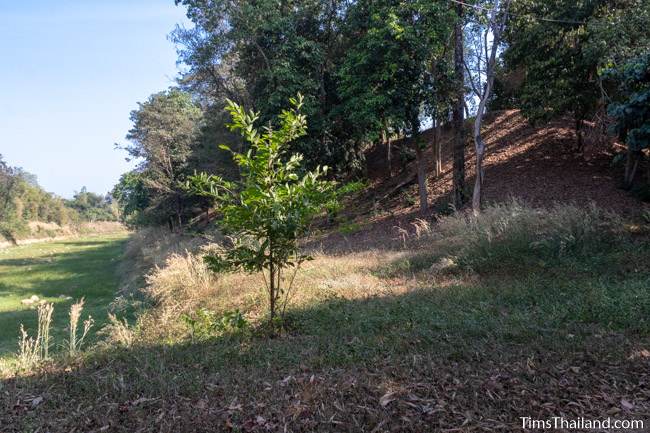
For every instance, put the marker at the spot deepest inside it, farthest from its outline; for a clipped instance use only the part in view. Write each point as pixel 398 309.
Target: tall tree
pixel 458 112
pixel 495 25
pixel 274 50
pixel 165 128
pixel 631 110
pixel 387 81
pixel 560 46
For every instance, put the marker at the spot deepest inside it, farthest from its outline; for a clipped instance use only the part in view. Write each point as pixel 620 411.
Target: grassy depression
pixel 60 272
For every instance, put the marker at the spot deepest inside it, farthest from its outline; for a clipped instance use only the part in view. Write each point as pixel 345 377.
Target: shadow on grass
pixel 452 323
pixel 419 337
pixel 90 272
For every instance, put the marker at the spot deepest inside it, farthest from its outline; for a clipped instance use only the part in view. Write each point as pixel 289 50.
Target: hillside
pixel 536 165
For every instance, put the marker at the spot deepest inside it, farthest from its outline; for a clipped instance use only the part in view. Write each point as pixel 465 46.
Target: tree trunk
pixel 387 141
pixel 422 178
pixel 271 286
pixel 272 291
pixel 631 166
pixel 579 136
pixel 421 163
pixel 497 24
pixel 437 150
pixel 459 106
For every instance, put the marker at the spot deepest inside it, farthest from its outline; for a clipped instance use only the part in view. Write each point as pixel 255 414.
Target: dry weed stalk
pixel 75 342
pixel 118 331
pixel 32 350
pixel 28 349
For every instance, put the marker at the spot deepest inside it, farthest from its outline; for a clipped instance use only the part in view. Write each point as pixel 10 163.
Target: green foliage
pixel 397 64
pixel 561 59
pixel 335 205
pixel 631 110
pixel 93 207
pixel 264 52
pixel 165 129
pixel 132 196
pixel 271 206
pixel 349 228
pixel 22 200
pixel 560 75
pixel 204 323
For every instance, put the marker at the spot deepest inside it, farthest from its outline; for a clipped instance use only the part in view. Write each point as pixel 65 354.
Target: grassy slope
pixel 380 342
pixel 81 267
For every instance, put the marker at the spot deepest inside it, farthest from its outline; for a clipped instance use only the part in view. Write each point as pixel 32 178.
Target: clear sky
pixel 71 72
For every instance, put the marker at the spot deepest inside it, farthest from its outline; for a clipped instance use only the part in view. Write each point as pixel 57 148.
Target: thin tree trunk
pixel 421 163
pixel 271 282
pixel 422 178
pixel 387 141
pixel 479 144
pixel 579 136
pixel 631 166
pixel 458 118
pixel 437 150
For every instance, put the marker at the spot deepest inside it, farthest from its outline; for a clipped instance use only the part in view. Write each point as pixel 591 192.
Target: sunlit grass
pixel 60 272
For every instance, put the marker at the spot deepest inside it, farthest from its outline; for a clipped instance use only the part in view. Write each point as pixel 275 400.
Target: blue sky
pixel 71 73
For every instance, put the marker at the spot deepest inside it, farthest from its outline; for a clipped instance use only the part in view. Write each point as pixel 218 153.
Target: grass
pixel 383 340
pixel 61 272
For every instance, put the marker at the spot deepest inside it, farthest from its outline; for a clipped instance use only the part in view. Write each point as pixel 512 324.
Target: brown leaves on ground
pixel 412 394
pixel 535 164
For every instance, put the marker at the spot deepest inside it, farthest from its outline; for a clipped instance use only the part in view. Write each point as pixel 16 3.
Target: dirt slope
pixel 535 164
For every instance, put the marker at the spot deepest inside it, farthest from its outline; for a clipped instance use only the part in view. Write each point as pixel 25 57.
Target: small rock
pixel 29 301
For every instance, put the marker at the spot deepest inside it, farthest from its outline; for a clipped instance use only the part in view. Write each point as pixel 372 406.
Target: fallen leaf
pixel 387 398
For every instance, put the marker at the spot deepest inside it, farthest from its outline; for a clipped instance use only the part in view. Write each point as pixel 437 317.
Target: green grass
pixel 524 321
pixel 82 267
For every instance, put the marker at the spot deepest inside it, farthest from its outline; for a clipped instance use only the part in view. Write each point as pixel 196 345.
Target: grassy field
pixel 469 327
pixel 60 272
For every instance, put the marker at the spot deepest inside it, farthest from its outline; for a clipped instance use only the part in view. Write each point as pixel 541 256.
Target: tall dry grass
pixel 503 236
pixel 32 350
pixel 75 341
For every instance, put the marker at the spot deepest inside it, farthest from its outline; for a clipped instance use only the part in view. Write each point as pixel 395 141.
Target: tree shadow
pixel 460 332
pixel 61 277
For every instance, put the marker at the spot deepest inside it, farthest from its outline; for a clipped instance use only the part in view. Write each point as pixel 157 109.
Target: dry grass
pixel 379 340
pixel 504 238
pixel 76 341
pixel 32 350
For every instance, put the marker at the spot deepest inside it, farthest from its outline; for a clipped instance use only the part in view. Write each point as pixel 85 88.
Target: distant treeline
pixel 22 201
pixel 377 70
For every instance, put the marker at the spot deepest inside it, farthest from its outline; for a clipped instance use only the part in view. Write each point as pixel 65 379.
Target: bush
pixel 271 207
pixel 204 323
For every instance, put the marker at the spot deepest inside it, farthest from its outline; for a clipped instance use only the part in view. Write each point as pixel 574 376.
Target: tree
pixel 92 206
pixel 561 45
pixel 11 222
pixel 495 25
pixel 457 112
pixel 133 198
pixel 387 79
pixel 270 207
pixel 261 52
pixel 165 128
pixel 631 110
pixel 561 77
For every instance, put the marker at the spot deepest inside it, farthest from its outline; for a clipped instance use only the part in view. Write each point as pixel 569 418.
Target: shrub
pixel 204 323
pixel 271 207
